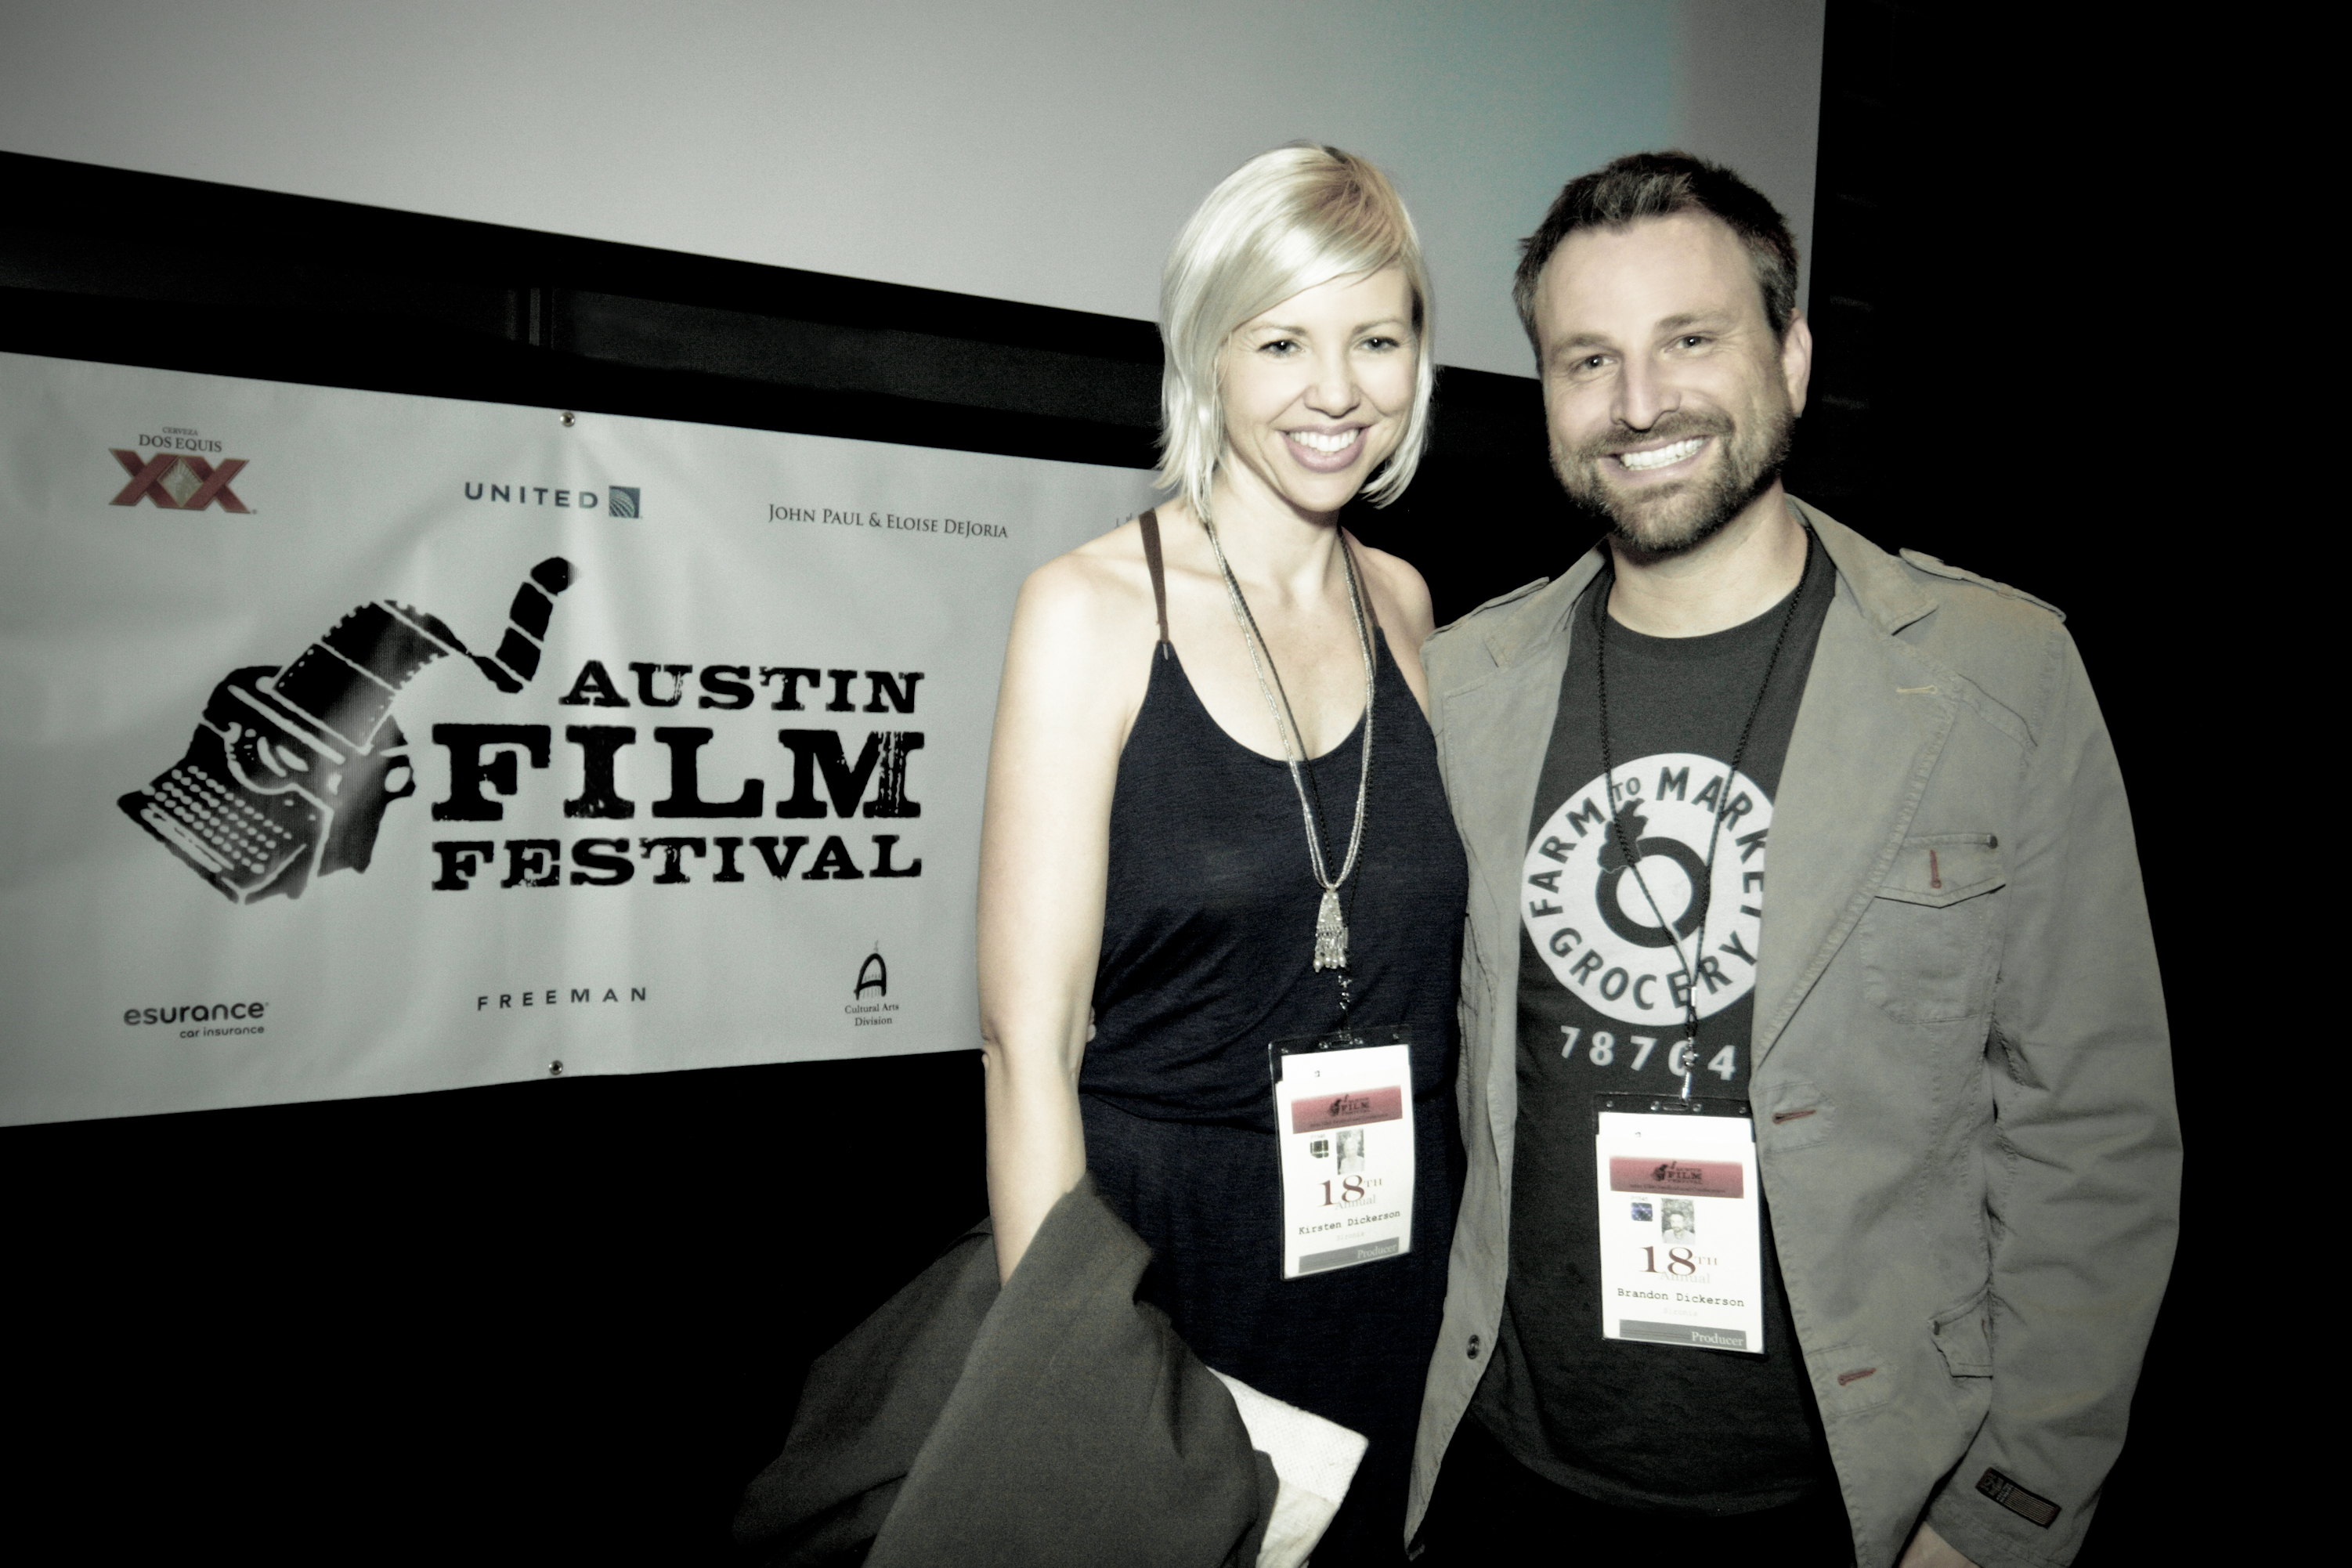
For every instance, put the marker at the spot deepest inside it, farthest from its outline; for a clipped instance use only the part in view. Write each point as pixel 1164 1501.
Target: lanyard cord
pixel 1704 893
pixel 1331 945
pixel 1322 816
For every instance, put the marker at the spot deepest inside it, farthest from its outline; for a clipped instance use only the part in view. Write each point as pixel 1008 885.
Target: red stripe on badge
pixel 1694 1178
pixel 1352 1108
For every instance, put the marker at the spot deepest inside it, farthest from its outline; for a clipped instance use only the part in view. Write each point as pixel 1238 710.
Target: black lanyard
pixel 1704 893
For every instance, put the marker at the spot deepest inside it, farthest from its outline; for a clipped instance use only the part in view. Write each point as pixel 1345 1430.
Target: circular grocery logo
pixel 1619 900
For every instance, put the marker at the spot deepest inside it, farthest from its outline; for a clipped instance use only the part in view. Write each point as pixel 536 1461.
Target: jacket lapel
pixel 1495 706
pixel 1858 763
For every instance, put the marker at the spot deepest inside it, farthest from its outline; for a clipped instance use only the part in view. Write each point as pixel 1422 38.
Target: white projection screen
pixel 1042 152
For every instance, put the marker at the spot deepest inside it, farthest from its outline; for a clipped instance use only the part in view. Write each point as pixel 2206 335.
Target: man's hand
pixel 1929 1550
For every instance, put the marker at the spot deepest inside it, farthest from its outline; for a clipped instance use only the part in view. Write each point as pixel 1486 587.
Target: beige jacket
pixel 1963 1093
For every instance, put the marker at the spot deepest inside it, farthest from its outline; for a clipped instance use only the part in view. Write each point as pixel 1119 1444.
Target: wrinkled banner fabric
pixel 354 743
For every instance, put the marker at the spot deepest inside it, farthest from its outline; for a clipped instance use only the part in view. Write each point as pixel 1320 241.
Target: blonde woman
pixel 1214 822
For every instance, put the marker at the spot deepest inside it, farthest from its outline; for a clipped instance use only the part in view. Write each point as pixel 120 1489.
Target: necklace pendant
pixel 1330 933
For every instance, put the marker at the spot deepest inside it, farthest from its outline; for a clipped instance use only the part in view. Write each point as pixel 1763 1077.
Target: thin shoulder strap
pixel 1150 523
pixel 1371 611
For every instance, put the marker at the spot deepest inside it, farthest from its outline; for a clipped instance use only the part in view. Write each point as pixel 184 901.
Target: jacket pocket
pixel 1964 1335
pixel 1928 940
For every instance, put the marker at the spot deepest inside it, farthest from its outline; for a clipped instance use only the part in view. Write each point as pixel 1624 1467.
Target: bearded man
pixel 1803 887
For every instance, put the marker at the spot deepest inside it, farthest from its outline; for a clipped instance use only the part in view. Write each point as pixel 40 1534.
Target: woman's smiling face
pixel 1319 390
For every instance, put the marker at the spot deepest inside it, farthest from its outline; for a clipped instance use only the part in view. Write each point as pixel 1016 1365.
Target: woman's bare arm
pixel 1402 599
pixel 1075 671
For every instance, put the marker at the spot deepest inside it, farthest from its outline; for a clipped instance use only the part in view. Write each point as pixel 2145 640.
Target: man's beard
pixel 1668 520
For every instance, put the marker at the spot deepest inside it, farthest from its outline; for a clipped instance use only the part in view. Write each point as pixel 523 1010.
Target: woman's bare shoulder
pixel 1084 610
pixel 1100 580
pixel 1400 591
pixel 1124 543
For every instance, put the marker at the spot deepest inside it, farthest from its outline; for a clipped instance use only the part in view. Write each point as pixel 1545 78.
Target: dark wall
pixel 558 1321
pixel 1993 389
pixel 565 1321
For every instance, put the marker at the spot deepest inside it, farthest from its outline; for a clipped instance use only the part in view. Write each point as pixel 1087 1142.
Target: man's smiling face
pixel 1669 401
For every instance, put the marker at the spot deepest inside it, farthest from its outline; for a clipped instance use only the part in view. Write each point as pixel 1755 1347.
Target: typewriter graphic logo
pixel 289 770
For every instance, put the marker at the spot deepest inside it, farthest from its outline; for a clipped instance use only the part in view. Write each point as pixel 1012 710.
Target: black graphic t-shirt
pixel 1601 995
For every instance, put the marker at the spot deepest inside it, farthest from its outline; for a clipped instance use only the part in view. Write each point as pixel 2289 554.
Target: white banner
pixel 354 743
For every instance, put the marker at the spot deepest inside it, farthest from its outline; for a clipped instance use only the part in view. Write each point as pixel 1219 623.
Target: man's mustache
pixel 1669 428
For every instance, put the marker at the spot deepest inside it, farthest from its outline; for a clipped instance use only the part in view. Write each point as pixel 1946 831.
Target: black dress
pixel 1208 940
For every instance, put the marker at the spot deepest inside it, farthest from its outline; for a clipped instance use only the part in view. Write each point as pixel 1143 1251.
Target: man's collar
pixel 1542 615
pixel 1887 595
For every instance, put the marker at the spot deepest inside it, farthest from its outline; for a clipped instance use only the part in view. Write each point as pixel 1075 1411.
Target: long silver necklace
pixel 1330 923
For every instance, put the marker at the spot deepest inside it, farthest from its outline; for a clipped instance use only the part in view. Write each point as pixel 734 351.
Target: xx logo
pixel 148 482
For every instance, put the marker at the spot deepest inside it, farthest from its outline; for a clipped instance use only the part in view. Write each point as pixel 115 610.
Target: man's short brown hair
pixel 1659 184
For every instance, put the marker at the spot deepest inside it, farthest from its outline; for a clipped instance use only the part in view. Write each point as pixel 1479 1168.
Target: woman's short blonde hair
pixel 1281 224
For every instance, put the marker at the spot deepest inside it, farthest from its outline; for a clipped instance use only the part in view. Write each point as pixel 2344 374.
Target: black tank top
pixel 1208 922
pixel 1207 955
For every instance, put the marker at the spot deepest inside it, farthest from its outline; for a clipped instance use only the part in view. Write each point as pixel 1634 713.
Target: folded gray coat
pixel 1055 1421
